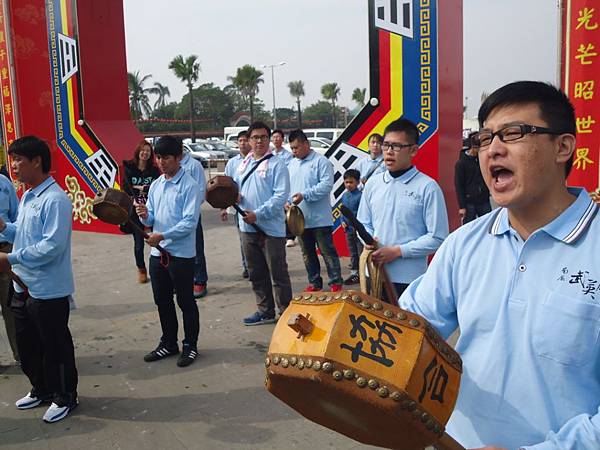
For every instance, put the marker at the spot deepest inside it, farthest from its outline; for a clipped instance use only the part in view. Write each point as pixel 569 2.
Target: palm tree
pixel 162 91
pixel 358 95
pixel 331 92
pixel 297 90
pixel 246 81
pixel 187 71
pixel 139 104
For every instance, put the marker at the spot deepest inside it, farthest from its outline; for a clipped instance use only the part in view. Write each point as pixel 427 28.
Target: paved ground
pixel 217 403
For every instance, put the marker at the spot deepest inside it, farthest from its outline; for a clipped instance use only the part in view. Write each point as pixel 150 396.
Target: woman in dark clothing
pixel 139 174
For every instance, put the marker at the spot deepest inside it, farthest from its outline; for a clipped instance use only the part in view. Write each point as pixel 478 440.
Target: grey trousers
pixel 5 297
pixel 268 270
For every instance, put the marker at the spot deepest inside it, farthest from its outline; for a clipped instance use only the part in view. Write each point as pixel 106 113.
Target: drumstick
pixel 17 280
pixel 244 214
pixel 390 290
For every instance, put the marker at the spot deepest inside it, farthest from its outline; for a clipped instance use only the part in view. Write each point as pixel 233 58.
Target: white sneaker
pixel 31 400
pixel 290 243
pixel 55 413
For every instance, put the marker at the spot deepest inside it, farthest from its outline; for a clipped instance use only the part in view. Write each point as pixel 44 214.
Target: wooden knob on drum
pixel 301 324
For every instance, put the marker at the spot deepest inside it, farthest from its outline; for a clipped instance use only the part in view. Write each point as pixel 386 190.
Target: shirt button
pixel 522 268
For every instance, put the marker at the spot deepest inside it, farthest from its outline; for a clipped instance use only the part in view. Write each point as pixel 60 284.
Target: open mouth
pixel 501 176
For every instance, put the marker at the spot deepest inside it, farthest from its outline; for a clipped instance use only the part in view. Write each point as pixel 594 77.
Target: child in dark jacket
pixel 351 199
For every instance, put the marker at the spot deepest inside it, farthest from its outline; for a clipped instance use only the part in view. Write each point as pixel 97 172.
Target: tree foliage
pixel 246 81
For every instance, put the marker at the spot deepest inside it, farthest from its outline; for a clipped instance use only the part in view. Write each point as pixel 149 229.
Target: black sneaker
pixel 162 351
pixel 352 279
pixel 188 355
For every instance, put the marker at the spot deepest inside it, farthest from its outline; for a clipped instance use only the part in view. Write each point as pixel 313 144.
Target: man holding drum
pixel 264 186
pixel 403 208
pixel 41 257
pixel 172 210
pixel 522 284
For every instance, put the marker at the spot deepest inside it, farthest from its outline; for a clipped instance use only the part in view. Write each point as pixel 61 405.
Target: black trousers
pixel 45 343
pixel 475 210
pixel 200 273
pixel 179 275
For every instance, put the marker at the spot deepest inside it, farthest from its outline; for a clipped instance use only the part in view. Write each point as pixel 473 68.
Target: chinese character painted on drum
pixel 435 379
pixel 376 348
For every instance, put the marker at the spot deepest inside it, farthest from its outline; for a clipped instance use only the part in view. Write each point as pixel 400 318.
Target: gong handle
pixel 243 214
pixel 143 233
pixel 447 442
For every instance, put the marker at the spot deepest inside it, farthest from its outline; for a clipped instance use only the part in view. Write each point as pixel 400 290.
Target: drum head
pixel 295 220
pixel 112 206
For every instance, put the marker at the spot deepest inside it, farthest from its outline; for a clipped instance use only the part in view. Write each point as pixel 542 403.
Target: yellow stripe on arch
pixel 65 31
pixel 80 140
pixel 396 88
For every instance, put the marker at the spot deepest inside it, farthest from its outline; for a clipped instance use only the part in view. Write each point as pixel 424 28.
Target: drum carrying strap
pixel 253 168
pixel 366 264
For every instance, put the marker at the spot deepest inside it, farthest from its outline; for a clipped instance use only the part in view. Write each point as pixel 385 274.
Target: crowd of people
pixel 520 282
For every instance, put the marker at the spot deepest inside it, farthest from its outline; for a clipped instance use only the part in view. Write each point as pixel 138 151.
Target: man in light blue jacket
pixel 172 210
pixel 403 208
pixel 522 284
pixel 311 178
pixel 264 186
pixel 41 257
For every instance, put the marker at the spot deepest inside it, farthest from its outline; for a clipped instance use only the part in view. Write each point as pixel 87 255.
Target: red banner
pixel 9 123
pixel 581 82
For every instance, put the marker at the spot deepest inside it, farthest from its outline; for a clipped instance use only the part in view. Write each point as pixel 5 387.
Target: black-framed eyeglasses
pixel 260 138
pixel 394 146
pixel 509 133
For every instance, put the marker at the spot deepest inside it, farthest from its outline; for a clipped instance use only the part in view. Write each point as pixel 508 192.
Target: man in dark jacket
pixel 473 195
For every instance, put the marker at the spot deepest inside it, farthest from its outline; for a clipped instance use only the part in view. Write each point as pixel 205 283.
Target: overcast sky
pixel 324 41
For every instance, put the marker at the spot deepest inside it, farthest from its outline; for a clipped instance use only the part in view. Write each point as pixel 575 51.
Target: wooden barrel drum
pixel 366 369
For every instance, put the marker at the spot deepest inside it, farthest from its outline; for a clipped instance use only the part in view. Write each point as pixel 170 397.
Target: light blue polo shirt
pixel 529 316
pixel 9 202
pixel 196 171
pixel 313 178
pixel 285 155
pixel 173 211
pixel 265 192
pixel 232 165
pixel 409 212
pixel 366 164
pixel 41 238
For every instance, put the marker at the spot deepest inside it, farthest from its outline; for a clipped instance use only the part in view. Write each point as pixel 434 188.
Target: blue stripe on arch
pixel 412 77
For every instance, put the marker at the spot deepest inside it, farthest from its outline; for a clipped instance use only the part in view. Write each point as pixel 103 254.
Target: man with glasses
pixel 403 208
pixel 522 284
pixel 264 186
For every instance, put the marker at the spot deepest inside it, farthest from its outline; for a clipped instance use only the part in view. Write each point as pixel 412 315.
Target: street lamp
pixel 272 66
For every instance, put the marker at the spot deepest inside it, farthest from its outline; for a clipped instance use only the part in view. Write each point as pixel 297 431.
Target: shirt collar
pixel 41 188
pixel 177 176
pixel 404 178
pixel 568 227
pixel 310 156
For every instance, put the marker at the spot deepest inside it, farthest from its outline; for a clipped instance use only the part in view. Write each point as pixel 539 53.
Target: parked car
pixel 206 151
pixel 220 146
pixel 320 145
pixel 196 155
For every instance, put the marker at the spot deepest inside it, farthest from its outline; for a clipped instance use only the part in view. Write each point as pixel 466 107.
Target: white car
pixel 320 145
pixel 202 152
